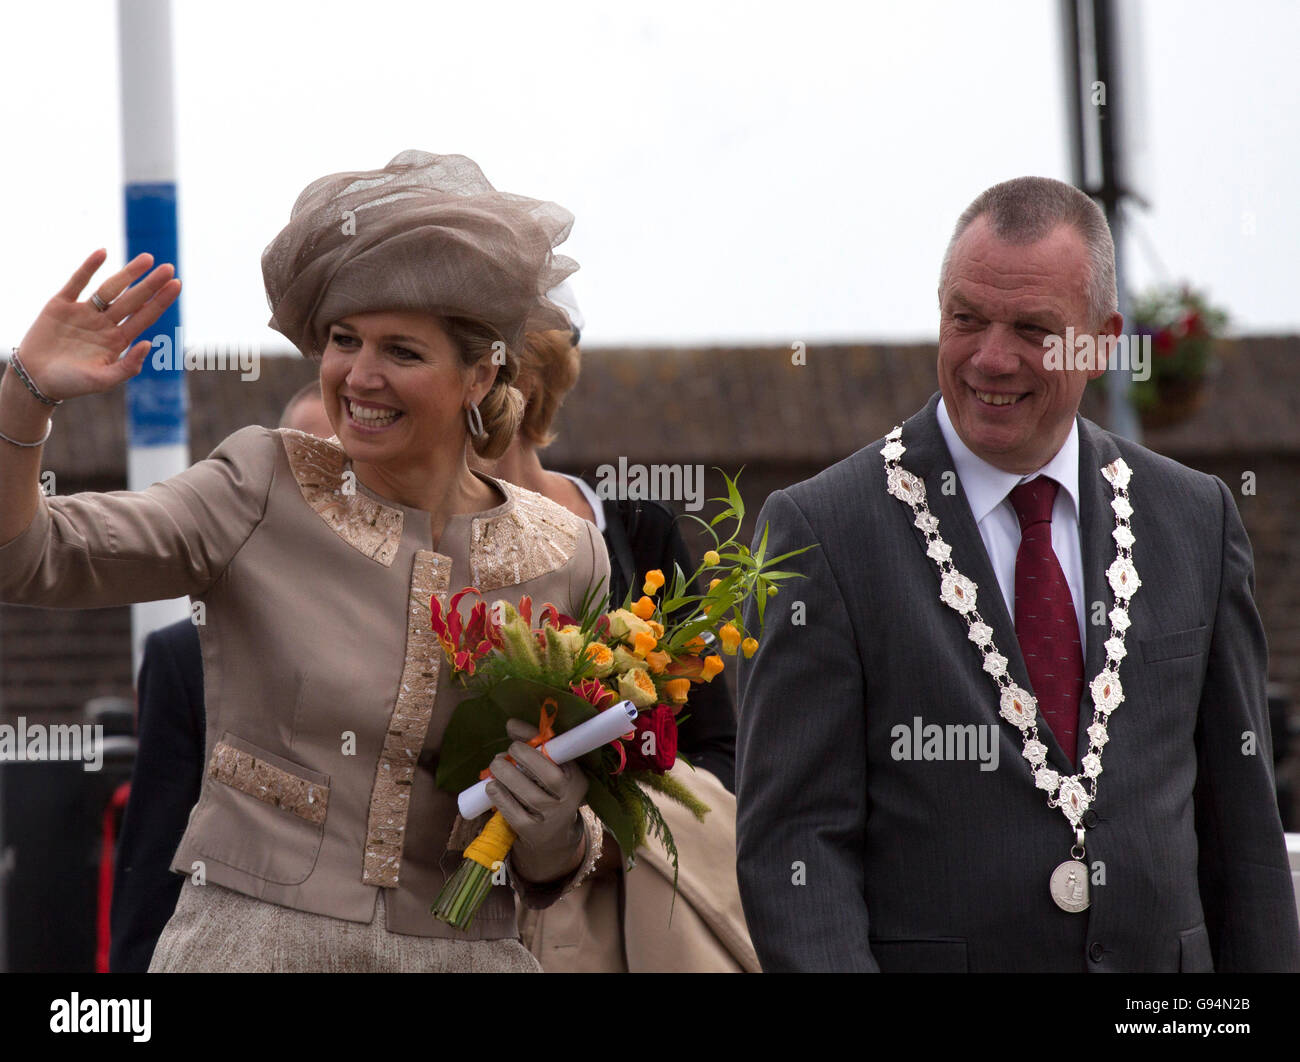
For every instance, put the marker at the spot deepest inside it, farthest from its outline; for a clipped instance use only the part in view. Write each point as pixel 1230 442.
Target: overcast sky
pixel 740 172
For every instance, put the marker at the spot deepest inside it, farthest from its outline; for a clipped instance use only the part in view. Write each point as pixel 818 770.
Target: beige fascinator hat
pixel 426 233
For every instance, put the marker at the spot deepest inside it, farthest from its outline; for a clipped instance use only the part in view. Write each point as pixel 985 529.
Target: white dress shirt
pixel 988 490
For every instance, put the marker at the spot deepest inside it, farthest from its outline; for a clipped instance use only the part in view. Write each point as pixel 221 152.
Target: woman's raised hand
pixel 74 348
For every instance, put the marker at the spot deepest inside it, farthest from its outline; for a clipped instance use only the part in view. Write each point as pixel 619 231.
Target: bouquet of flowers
pixel 566 673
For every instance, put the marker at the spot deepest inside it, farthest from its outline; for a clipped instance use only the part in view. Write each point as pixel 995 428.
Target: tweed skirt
pixel 218 930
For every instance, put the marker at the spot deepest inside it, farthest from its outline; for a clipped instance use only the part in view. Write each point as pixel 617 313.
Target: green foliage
pixel 614 809
pixel 674 790
pixel 740 574
pixel 653 824
pixel 593 604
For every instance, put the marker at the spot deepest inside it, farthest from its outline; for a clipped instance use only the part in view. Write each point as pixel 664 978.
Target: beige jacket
pixel 326 690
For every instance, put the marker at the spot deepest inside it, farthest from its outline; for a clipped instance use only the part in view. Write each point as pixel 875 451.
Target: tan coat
pixel 619 922
pixel 327 694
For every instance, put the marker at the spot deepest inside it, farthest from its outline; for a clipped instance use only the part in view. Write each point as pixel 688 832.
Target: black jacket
pixel 164 787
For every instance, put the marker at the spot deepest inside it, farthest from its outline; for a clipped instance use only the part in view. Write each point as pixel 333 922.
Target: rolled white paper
pixel 604 728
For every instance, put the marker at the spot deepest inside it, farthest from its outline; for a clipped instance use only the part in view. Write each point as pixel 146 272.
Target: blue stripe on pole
pixel 156 399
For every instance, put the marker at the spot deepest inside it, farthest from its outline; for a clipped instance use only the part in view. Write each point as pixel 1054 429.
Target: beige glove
pixel 540 800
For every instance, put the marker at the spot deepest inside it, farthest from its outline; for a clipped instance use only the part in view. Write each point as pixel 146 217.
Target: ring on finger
pixel 97 302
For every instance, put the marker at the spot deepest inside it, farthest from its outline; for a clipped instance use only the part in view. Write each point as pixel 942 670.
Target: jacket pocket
pixel 920 956
pixel 261 813
pixel 1194 951
pixel 1176 644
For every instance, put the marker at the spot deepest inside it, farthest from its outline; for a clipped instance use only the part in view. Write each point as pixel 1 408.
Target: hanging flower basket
pixel 1175 401
pixel 1184 329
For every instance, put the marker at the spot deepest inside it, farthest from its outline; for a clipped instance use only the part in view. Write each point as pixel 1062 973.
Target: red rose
pixel 653 747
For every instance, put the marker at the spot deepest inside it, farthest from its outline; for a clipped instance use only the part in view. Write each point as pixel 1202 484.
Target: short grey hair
pixel 307 390
pixel 1026 210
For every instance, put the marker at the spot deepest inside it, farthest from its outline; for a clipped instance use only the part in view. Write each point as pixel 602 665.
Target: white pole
pixel 158 433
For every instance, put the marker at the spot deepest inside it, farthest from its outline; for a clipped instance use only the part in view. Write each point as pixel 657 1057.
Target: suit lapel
pixel 1096 522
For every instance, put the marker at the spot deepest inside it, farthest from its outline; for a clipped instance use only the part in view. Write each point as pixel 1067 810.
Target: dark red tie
pixel 1046 623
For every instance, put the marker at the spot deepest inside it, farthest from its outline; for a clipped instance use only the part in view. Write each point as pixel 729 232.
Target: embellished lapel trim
pixel 532 537
pixel 390 796
pixel 271 784
pixel 1096 521
pixel 319 466
pixel 929 458
pixel 958 592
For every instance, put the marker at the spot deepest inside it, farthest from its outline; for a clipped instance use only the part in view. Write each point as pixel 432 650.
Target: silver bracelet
pixel 49 427
pixel 23 375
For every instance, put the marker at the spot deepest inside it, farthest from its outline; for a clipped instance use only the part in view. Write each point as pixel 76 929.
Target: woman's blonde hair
pixel 502 408
pixel 548 369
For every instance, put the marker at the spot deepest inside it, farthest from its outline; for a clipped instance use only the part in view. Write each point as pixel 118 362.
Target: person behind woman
pixel 305 411
pixel 316 560
pixel 619 922
pixel 640 535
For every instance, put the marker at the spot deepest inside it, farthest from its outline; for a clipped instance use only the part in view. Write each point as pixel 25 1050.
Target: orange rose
pixel 602 657
pixel 638 687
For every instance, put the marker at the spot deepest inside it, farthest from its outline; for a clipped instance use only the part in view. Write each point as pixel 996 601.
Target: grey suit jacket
pixel 849 859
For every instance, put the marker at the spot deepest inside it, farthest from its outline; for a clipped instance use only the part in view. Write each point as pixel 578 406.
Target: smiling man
pixel 1002 294
pixel 998 560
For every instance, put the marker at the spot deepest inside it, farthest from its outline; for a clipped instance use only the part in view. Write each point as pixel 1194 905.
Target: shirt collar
pixel 987 487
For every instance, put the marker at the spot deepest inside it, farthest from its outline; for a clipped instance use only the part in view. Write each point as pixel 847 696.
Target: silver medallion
pixel 1070 886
